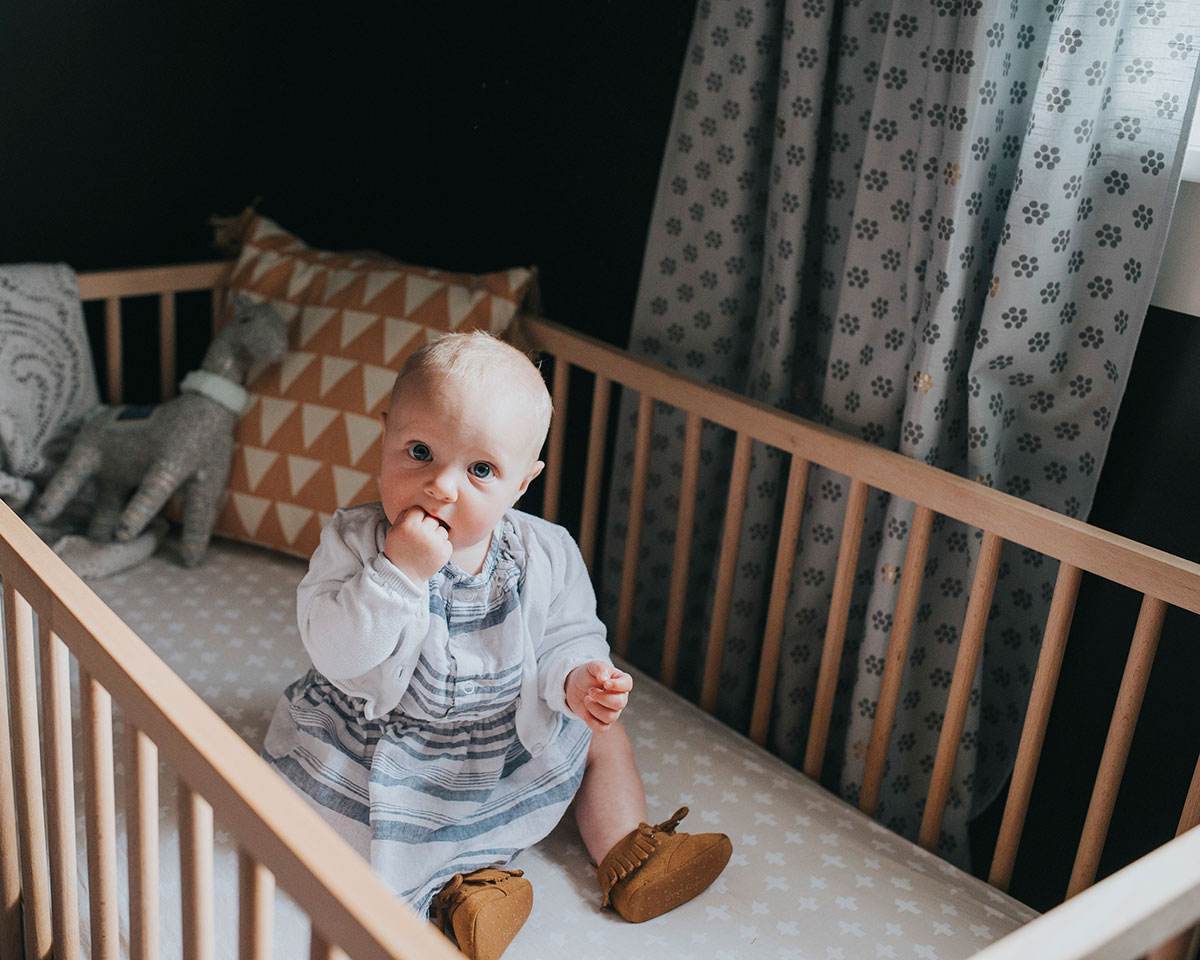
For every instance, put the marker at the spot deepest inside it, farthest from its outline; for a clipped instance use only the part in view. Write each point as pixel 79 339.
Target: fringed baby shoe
pixel 483 911
pixel 654 869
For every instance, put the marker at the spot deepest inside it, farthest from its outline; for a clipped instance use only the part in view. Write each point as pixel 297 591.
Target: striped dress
pixel 440 784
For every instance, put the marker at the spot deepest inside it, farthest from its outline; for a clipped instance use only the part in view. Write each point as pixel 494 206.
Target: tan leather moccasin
pixel 482 911
pixel 653 869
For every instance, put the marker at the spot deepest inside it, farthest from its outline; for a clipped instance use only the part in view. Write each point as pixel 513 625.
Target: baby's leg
pixel 643 870
pixel 611 800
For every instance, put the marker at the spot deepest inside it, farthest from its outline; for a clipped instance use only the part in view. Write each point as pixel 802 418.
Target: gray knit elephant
pixel 184 444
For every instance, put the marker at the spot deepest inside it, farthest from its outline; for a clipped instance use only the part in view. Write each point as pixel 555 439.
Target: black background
pixel 473 137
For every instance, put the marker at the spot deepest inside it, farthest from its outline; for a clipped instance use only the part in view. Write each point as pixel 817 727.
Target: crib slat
pixel 781 583
pixel 60 791
pixel 1037 718
pixel 835 629
pixel 1184 944
pixel 911 577
pixel 594 476
pixel 112 347
pixel 633 528
pixel 196 873
pixel 256 907
pixel 166 337
pixel 969 647
pixel 11 936
pixel 100 809
pixel 1191 806
pixel 141 817
pixel 18 863
pixel 322 949
pixel 684 523
pixel 31 822
pixel 731 538
pixel 554 451
pixel 1116 745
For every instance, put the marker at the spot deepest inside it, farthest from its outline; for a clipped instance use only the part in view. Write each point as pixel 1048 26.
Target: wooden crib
pixel 51 616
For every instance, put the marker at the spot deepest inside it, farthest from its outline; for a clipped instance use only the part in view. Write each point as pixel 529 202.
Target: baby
pixel 462 694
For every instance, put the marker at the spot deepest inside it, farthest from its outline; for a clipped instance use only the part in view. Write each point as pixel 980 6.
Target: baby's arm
pixel 597 692
pixel 572 642
pixel 355 608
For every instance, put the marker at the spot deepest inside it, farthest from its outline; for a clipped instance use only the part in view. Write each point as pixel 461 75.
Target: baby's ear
pixel 537 468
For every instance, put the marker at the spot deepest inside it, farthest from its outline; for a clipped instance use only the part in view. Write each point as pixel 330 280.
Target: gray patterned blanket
pixel 47 381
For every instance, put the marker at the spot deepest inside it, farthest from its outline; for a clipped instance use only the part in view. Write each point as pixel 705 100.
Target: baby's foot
pixel 483 911
pixel 654 869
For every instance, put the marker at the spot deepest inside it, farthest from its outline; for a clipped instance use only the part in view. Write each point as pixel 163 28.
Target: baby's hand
pixel 597 692
pixel 417 544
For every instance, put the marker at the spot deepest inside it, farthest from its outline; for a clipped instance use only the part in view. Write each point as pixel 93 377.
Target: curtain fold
pixel 934 225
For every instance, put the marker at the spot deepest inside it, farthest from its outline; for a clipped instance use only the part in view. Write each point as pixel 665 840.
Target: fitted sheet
pixel 811 877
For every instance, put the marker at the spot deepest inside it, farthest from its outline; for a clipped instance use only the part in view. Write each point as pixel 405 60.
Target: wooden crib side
pixel 1162 579
pixel 51 615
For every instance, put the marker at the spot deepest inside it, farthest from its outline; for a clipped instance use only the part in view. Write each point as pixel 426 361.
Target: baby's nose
pixel 441 485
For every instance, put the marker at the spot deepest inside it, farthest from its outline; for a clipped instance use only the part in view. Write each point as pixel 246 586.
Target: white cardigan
pixel 363 621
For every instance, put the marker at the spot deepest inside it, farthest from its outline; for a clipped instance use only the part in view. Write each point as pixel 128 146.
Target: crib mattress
pixel 810 877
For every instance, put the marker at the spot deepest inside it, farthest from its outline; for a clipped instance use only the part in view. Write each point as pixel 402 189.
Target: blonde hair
pixel 467 359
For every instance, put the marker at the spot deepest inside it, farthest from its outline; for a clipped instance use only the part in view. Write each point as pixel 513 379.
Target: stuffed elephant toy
pixel 184 445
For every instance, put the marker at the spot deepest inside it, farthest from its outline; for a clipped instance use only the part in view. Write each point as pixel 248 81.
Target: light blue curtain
pixel 933 224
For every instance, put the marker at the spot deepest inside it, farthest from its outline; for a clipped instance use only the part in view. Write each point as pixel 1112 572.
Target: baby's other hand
pixel 597 692
pixel 417 544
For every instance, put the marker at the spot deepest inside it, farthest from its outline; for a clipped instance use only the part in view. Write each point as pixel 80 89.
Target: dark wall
pixel 482 135
pixel 468 136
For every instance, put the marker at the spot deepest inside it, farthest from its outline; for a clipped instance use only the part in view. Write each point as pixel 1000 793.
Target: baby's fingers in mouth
pixel 441 523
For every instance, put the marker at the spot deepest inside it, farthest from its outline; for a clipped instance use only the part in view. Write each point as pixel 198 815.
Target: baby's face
pixel 462 456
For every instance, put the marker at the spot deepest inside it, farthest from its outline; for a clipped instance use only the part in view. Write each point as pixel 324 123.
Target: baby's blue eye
pixel 419 451
pixel 481 470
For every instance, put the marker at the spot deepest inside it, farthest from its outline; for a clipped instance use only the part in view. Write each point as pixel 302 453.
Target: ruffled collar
pixel 503 539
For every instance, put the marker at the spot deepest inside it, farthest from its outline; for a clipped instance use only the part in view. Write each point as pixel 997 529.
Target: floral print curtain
pixel 935 225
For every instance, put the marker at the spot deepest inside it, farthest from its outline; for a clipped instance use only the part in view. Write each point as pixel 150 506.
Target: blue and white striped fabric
pixel 442 784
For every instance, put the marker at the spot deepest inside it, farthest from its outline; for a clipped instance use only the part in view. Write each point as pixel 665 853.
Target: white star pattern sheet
pixel 811 878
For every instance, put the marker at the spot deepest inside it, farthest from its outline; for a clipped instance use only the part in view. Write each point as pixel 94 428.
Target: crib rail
pixel 1163 579
pixel 278 835
pixel 165 283
pixel 1119 559
pixel 1116 918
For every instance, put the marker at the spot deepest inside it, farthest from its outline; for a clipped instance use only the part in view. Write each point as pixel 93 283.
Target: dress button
pixel 467 686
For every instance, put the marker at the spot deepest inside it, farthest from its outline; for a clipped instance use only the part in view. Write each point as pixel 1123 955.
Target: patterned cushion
pixel 310 439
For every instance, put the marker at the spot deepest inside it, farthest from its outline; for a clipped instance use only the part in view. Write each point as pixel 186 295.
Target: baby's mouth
pixel 442 522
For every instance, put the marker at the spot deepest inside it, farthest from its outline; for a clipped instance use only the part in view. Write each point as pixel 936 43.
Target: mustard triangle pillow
pixel 309 441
